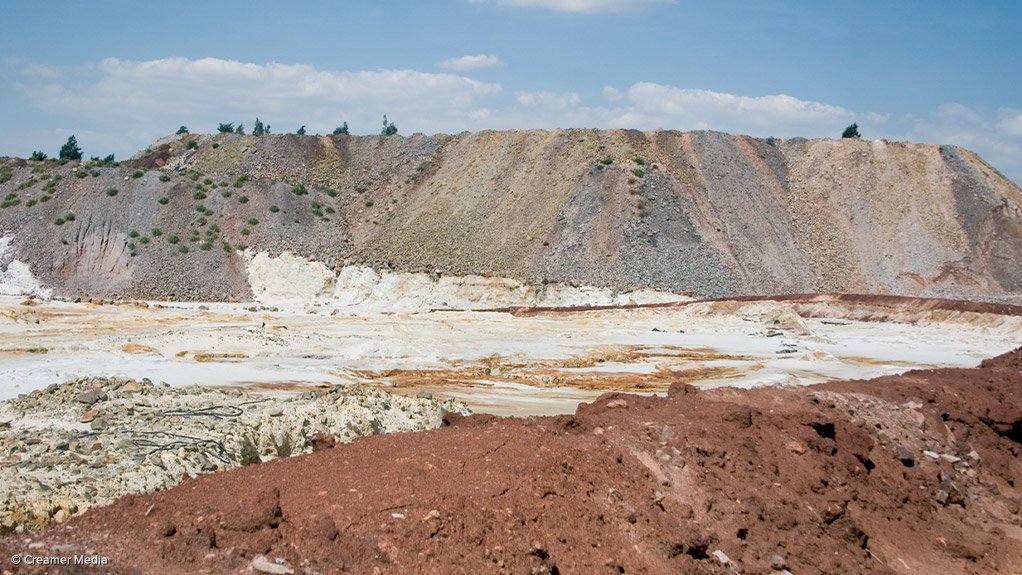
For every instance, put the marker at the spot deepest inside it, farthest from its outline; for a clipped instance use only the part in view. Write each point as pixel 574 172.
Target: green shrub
pixel 81 174
pixel 164 178
pixel 640 161
pixel 226 246
pixel 274 209
pixel 45 198
pixel 245 231
pixel 607 161
pixel 851 131
pixel 181 130
pixel 183 249
pixel 200 208
pixel 38 156
pixel 173 239
pixel 369 203
pixel 59 221
pixel 225 194
pixel 133 234
pixel 111 192
pixel 253 222
pixel 342 129
pixel 299 190
pixel 30 203
pixel 137 174
pixel 191 145
pixel 240 181
pixel 202 221
pixel 199 196
pixel 242 199
pixel 157 232
pixel 5 173
pixel 94 173
pixel 329 210
pixel 144 240
pixel 10 203
pixel 225 128
pixel 639 173
pixel 163 200
pixel 331 192
pixel 215 145
pixel 69 217
pixel 389 129
pixel 205 246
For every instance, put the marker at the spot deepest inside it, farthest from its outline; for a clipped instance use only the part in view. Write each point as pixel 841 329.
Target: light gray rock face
pixel 88 442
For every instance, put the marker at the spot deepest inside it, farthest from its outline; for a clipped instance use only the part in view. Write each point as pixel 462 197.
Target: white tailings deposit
pixel 15 276
pixel 494 361
pixel 294 283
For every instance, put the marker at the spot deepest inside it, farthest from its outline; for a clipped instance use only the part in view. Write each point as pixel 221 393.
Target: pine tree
pixel 851 131
pixel 342 129
pixel 70 150
pixel 258 129
pixel 301 131
pixel 389 129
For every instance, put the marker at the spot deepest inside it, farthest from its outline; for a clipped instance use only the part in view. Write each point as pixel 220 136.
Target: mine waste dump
pixel 571 351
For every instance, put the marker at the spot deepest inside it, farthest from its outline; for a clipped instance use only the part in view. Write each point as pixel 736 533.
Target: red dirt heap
pixel 909 474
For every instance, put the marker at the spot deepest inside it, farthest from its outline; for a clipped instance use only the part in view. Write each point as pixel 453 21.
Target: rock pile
pixel 90 441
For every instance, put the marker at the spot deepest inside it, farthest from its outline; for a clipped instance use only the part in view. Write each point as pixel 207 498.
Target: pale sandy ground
pixel 496 362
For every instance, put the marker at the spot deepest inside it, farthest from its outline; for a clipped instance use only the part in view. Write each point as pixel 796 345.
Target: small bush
pixel 157 232
pixel 164 178
pixel 225 194
pixel 331 192
pixel 38 156
pixel 200 208
pixel 299 190
pixel 172 239
pixel 607 161
pixel 183 249
pixel 225 128
pixel 205 246
pixel 241 180
pixel 45 198
pixel 369 203
pixel 242 199
pixel 215 145
pixel 274 209
pixel 94 173
pixel 329 210
pixel 30 203
pixel 640 161
pixel 851 131
pixel 245 231
pixel 5 173
pixel 133 234
pixel 81 174
pixel 226 246
pixel 69 217
pixel 111 192
pixel 253 222
pixel 59 221
pixel 639 173
pixel 144 240
pixel 181 130
pixel 137 174
pixel 191 145
pixel 199 196
pixel 163 200
pixel 202 221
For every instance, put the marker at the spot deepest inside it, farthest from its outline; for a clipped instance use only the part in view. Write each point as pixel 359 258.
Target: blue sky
pixel 119 74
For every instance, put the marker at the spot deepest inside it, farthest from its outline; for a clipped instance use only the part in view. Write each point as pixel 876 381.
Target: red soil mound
pixel 911 474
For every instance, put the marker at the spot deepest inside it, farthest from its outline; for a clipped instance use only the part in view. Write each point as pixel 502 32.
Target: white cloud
pixel 151 98
pixel 473 62
pixel 581 6
pixel 1011 122
pixel 548 100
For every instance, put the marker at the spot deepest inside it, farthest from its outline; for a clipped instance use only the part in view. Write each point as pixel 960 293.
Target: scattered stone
pixel 795 447
pixel 777 563
pixel 904 456
pixel 722 557
pixel 88 416
pixel 424 395
pixel 617 403
pixel 261 564
pixel 88 398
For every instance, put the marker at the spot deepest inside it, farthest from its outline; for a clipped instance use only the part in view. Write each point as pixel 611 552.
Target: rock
pixel 99 424
pixel 943 497
pixel 722 557
pixel 322 441
pixel 795 447
pixel 131 387
pixel 904 456
pixel 777 563
pixel 88 397
pixel 424 395
pixel 263 565
pixel 617 403
pixel 89 416
pixel 275 412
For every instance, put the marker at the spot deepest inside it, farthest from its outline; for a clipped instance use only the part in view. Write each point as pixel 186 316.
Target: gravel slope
pixel 704 213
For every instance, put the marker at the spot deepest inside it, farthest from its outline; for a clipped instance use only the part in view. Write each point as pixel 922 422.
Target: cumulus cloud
pixel 580 6
pixel 151 98
pixel 473 62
